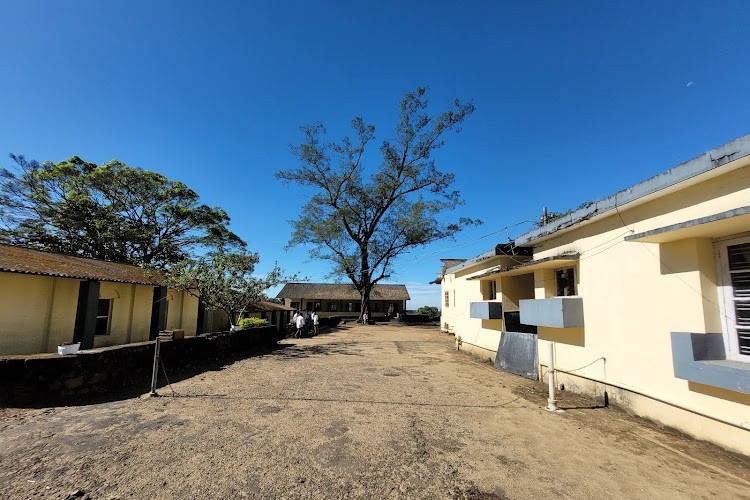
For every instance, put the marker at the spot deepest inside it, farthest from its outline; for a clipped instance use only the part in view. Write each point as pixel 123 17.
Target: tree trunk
pixel 364 315
pixel 366 287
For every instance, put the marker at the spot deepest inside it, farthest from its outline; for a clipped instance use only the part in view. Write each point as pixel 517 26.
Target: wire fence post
pixel 155 372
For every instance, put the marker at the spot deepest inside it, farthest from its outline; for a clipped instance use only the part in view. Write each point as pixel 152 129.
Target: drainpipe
pixel 551 401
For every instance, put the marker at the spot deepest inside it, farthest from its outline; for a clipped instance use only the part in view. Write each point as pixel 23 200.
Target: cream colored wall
pixel 482 334
pixel 131 313
pixel 37 313
pixel 635 294
pixel 34 312
pixel 182 312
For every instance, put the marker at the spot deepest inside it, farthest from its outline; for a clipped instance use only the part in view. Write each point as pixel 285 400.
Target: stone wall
pixel 106 372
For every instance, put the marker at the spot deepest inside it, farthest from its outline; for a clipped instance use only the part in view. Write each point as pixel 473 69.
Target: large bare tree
pixel 361 219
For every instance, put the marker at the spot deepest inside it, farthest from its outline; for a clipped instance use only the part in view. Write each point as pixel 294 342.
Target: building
pixel 644 297
pixel 47 299
pixel 331 299
pixel 277 315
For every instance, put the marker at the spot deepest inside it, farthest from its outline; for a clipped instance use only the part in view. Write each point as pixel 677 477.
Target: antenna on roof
pixel 545 216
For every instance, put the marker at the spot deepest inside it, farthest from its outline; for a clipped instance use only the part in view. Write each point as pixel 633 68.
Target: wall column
pixel 85 325
pixel 158 312
pixel 201 317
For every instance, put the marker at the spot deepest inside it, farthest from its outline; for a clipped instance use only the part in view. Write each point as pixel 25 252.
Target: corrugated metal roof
pixel 23 260
pixel 335 291
pixel 447 264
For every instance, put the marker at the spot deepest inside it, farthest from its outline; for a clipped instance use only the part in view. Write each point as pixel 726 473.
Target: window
pixel 447 299
pixel 565 282
pixel 350 307
pixel 317 306
pixel 294 305
pixel 734 291
pixel 103 315
pixel 332 306
pixel 491 290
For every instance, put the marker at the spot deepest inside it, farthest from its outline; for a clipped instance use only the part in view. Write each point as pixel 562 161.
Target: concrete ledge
pixel 721 224
pixel 486 310
pixel 557 312
pixel 701 358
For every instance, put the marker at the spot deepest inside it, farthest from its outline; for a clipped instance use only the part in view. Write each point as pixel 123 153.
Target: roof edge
pixel 701 164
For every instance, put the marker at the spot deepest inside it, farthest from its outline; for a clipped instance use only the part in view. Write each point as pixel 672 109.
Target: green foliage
pixel 246 323
pixel 429 311
pixel 111 212
pixel 224 280
pixel 362 219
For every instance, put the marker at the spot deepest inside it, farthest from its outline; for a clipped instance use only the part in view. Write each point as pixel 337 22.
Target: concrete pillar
pixel 201 318
pixel 158 312
pixel 85 325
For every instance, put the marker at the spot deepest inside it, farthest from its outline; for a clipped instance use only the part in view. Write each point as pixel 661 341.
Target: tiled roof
pixel 265 306
pixel 23 260
pixel 333 291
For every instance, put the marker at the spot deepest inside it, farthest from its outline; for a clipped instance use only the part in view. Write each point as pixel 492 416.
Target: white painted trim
pixel 726 302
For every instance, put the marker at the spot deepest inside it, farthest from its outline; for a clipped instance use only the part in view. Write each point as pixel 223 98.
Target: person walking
pixel 300 323
pixel 316 322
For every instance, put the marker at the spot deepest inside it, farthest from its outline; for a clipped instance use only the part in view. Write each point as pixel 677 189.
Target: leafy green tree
pixel 223 281
pixel 361 219
pixel 429 311
pixel 111 212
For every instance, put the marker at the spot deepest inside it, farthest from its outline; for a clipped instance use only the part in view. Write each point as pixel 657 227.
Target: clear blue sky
pixel 575 100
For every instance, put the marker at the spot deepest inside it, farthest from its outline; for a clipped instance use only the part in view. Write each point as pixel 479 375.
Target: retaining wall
pixel 39 379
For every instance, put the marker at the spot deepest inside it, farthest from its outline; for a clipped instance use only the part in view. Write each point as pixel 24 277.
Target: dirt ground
pixel 362 412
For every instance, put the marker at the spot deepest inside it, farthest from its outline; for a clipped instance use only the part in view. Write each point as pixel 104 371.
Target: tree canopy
pixel 112 212
pixel 361 219
pixel 223 281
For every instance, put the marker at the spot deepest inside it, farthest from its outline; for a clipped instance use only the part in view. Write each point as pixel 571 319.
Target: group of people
pixel 305 322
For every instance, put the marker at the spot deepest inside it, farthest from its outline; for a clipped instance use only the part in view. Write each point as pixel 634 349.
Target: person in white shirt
pixel 316 322
pixel 300 324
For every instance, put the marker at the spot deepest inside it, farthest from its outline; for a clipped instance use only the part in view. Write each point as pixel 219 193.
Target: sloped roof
pixel 335 291
pixel 24 260
pixel 266 306
pixel 447 264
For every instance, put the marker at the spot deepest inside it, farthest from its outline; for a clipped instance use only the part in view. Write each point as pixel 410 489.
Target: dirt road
pixel 363 412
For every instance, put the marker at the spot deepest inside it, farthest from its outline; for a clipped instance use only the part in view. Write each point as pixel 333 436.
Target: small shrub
pixel 246 323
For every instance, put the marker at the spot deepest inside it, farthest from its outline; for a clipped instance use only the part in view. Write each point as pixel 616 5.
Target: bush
pixel 246 323
pixel 429 311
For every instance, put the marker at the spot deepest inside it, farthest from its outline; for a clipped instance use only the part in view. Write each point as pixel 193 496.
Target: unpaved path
pixel 362 412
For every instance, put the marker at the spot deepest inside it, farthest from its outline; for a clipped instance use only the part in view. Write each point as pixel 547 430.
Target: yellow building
pixel 47 299
pixel 644 297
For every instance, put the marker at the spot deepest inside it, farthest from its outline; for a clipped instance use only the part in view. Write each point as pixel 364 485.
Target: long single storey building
pixel 333 299
pixel 643 297
pixel 47 299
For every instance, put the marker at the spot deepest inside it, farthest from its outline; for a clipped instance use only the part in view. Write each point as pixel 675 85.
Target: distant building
pixel 276 314
pixel 47 299
pixel 644 295
pixel 331 299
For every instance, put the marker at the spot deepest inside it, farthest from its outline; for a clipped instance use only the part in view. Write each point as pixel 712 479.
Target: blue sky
pixel 575 100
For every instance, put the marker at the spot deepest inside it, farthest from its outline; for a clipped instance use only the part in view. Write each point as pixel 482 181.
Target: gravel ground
pixel 362 412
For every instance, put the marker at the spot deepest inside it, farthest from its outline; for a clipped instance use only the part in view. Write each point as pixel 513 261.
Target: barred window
pixel 565 281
